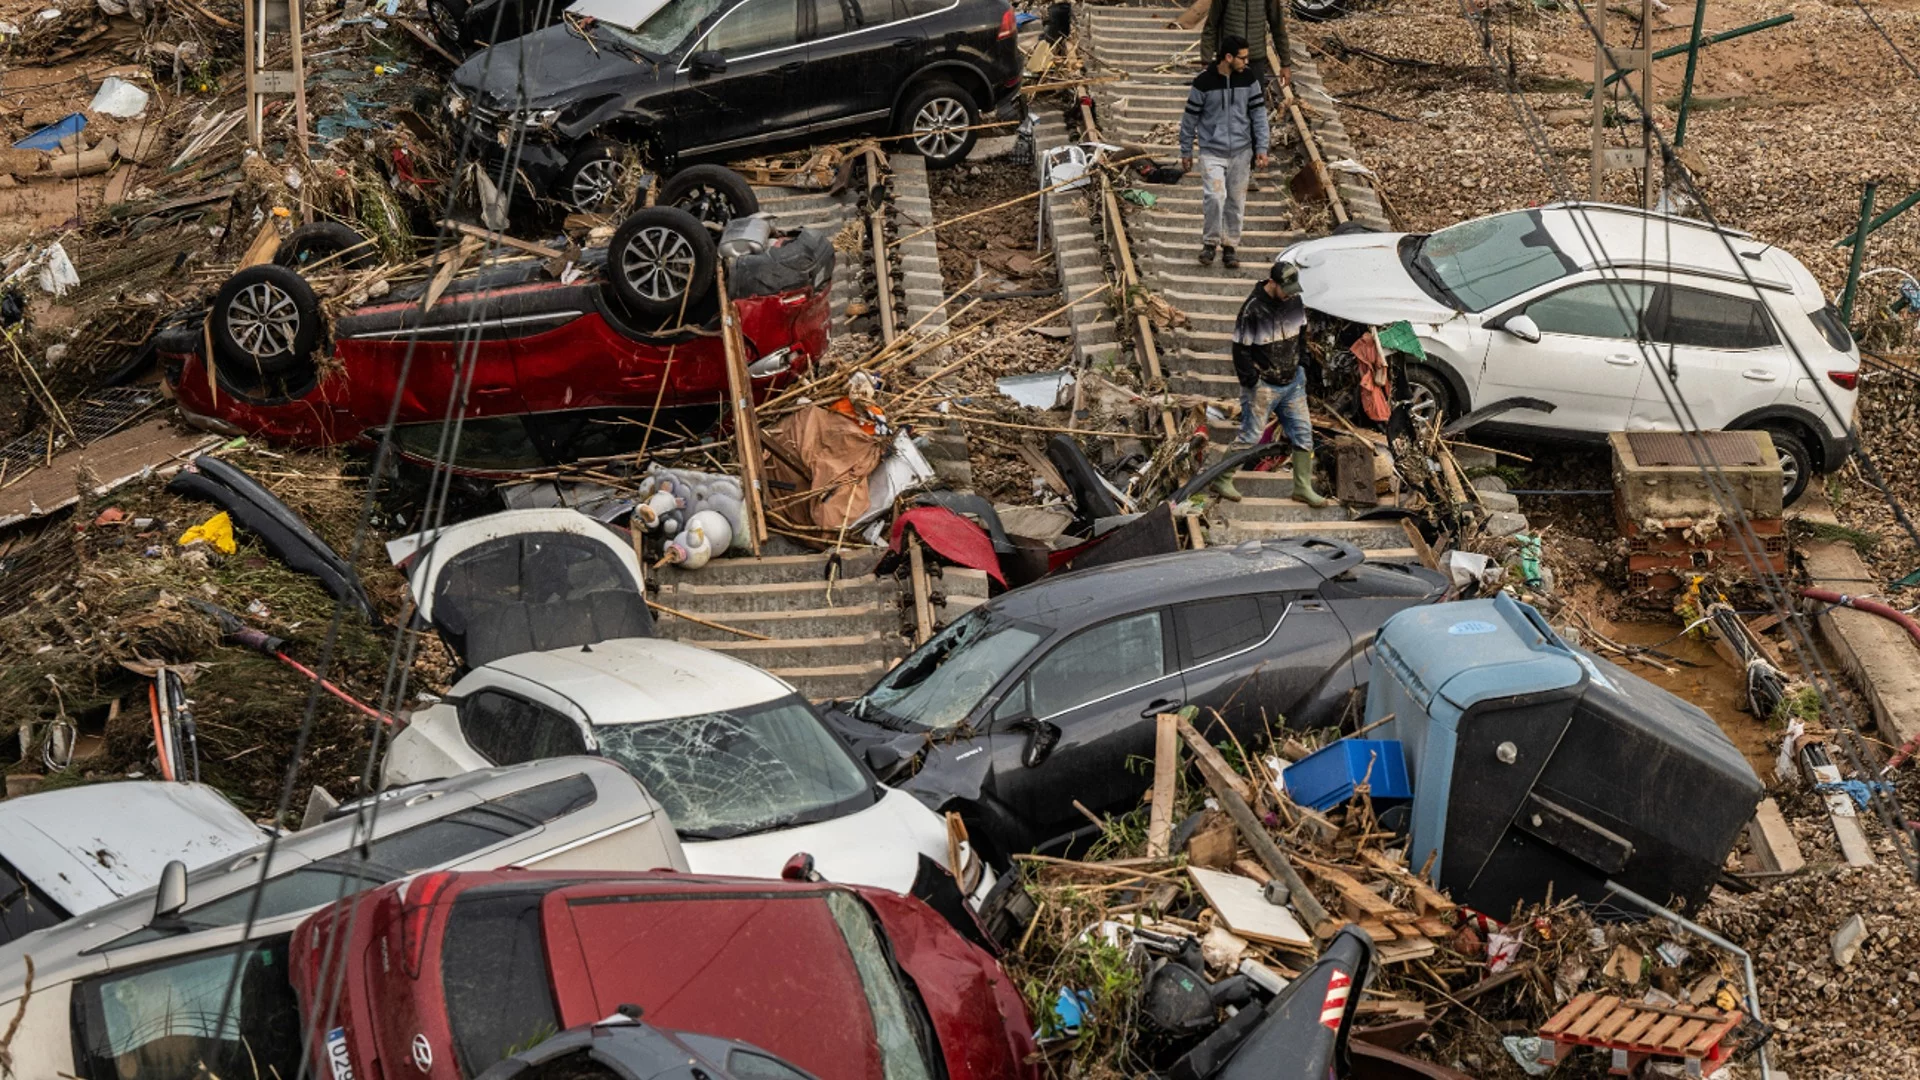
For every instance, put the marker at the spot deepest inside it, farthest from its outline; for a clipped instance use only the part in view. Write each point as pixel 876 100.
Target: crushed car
pixel 1617 319
pixel 65 853
pixel 625 1047
pixel 548 366
pixel 1033 704
pixel 566 104
pixel 142 986
pixel 847 983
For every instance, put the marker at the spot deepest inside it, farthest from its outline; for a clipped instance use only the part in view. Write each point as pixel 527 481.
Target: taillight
pixel 1845 380
pixel 1006 25
pixel 416 906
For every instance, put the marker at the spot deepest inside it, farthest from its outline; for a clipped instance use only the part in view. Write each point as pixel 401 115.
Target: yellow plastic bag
pixel 216 530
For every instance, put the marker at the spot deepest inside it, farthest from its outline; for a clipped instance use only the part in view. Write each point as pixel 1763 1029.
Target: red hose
pixel 1891 614
pixel 332 689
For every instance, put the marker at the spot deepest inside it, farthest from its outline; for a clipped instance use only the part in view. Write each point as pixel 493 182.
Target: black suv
pixel 733 78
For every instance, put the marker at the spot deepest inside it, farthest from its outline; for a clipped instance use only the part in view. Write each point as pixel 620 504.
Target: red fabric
pixel 1373 378
pixel 951 537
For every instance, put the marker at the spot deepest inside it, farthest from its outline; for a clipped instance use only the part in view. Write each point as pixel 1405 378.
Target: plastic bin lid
pixel 1471 650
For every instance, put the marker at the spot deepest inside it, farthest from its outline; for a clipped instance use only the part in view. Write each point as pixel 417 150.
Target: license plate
pixel 337 1054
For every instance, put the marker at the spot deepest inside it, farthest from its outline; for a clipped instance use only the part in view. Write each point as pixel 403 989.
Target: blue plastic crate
pixel 1326 777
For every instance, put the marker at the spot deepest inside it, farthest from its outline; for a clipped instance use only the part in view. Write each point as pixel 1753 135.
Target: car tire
pixel 1429 393
pixel 660 261
pixel 593 175
pixel 449 20
pixel 1796 464
pixel 940 121
pixel 714 194
pixel 1319 10
pixel 265 323
pixel 315 241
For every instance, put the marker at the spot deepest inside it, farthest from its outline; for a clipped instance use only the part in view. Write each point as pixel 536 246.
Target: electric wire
pixel 1888 38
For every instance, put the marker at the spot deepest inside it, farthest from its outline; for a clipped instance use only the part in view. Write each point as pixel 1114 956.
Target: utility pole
pixel 263 18
pixel 1606 158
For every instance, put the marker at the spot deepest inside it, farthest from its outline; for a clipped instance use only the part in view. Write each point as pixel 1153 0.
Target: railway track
pixel 831 627
pixel 1156 246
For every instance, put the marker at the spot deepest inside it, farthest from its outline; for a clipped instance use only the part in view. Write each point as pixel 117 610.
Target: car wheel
pixel 1430 399
pixel 940 121
pixel 265 322
pixel 1796 464
pixel 660 261
pixel 449 18
pixel 1318 10
pixel 714 194
pixel 311 243
pixel 593 176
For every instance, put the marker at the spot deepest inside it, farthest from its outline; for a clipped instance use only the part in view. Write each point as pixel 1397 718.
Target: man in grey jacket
pixel 1226 116
pixel 1251 21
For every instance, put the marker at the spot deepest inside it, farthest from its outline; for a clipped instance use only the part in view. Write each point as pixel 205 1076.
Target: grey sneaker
pixel 1206 254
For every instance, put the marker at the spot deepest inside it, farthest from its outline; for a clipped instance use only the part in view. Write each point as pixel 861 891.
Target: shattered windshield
pixel 741 771
pixel 1477 264
pixel 663 31
pixel 939 685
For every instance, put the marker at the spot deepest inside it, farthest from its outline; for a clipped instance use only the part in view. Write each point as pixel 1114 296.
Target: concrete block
pixel 1499 502
pixel 1505 523
pixel 1657 474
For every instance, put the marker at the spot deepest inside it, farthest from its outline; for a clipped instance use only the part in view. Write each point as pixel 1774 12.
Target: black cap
pixel 1285 274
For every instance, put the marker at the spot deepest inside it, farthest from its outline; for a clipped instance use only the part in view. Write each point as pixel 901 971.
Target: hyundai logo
pixel 422 1053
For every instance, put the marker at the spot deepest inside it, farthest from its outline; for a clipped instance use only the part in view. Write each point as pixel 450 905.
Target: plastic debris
pixel 57 274
pixel 1525 1051
pixel 119 98
pixel 216 531
pixel 50 137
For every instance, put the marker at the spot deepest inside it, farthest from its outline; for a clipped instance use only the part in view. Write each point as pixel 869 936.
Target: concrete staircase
pixel 1143 109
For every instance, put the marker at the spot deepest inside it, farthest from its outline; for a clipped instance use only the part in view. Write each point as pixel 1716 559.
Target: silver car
pixel 166 984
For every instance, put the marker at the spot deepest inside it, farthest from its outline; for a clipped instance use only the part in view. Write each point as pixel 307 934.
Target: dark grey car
pixel 1039 698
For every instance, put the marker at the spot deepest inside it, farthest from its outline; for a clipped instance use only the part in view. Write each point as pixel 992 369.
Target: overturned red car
pixel 542 369
pixel 444 974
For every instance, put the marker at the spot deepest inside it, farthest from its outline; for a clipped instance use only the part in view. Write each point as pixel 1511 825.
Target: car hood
pixel 548 68
pixel 879 846
pixel 1360 278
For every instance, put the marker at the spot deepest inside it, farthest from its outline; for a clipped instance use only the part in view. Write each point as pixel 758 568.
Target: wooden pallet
pixel 1635 1031
pixel 1401 934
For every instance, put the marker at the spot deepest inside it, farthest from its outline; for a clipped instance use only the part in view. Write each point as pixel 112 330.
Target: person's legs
pixel 1290 405
pixel 1213 197
pixel 1249 414
pixel 1234 207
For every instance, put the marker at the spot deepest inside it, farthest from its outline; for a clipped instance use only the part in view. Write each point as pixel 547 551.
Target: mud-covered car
pixel 549 368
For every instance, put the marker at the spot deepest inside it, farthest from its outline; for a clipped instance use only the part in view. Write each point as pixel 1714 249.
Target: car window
pixel 747 1065
pixel 1695 318
pixel 939 685
pixel 493 969
pixel 1211 629
pixel 1014 705
pixel 897 1023
pixel 497 443
pixel 739 771
pixel 756 26
pixel 23 910
pixel 507 730
pixel 1477 264
pixel 1599 309
pixel 877 12
pixel 830 18
pixel 1832 327
pixel 222 1012
pixel 927 7
pixel 1105 659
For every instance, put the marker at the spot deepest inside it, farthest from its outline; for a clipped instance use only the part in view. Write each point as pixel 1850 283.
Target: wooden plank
pixel 1359 896
pixel 1427 899
pixel 503 240
pixel 1568 1014
pixel 1774 845
pixel 1630 1035
pixel 1249 869
pixel 1209 759
pixel 1680 1040
pixel 1593 1017
pixel 443 277
pixel 1421 548
pixel 1380 932
pixel 746 421
pixel 1611 1027
pixel 923 598
pixel 1705 1041
pixel 1401 952
pixel 265 243
pixel 1238 902
pixel 1166 771
pixel 1432 927
pixel 1657 1037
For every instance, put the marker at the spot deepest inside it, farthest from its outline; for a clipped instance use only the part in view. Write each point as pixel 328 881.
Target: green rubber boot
pixel 1303 480
pixel 1224 488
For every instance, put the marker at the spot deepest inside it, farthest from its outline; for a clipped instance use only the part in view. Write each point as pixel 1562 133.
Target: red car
pixel 444 974
pixel 559 369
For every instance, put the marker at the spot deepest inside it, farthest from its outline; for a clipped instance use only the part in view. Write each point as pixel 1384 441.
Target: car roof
pixel 93 844
pixel 1082 597
pixel 1595 235
pixel 625 680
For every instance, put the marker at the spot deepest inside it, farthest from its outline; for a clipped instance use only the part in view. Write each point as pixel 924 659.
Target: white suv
pixel 1615 316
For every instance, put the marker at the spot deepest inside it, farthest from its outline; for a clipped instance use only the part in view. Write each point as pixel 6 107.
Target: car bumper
pixel 1835 449
pixel 1011 107
pixel 539 165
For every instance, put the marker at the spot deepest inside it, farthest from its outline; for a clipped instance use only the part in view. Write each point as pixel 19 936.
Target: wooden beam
pixel 1210 758
pixel 503 240
pixel 1166 770
pixel 923 596
pixel 746 422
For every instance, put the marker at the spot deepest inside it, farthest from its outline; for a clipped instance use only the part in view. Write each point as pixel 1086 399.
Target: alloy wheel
pixel 444 24
pixel 1422 406
pixel 264 320
pixel 940 127
pixel 658 262
pixel 1790 469
pixel 595 182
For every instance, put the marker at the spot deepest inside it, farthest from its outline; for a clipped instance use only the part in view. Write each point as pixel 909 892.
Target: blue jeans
pixel 1289 404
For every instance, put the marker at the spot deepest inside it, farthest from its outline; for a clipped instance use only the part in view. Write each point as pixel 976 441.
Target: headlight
pixel 534 118
pixel 456 106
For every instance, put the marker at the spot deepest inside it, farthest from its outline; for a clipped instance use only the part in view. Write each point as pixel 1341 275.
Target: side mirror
pixel 171 898
pixel 708 62
pixel 1522 327
pixel 1041 739
pixel 882 757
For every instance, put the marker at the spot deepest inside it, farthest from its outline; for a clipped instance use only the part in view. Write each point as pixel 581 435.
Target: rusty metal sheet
pixel 1723 448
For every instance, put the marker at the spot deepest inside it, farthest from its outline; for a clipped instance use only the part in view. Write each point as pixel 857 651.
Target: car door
pixel 1720 355
pixel 859 53
pixel 1587 362
pixel 760 93
pixel 1255 658
pixel 1099 689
